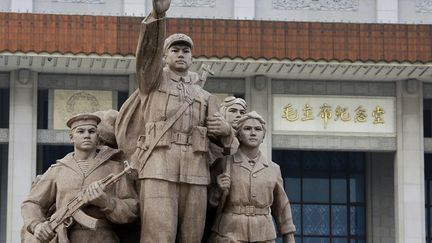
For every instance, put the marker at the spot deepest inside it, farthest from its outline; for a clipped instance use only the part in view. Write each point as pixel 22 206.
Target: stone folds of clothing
pixel 62 182
pixel 256 194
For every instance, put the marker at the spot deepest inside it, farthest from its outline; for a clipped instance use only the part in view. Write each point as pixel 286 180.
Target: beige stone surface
pixel 248 190
pixel 89 181
pixel 163 128
pixel 71 102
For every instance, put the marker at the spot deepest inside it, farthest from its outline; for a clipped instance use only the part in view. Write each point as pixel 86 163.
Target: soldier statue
pixel 164 128
pixel 76 183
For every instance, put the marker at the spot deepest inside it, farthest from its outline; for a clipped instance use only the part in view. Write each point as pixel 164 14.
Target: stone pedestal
pixel 22 146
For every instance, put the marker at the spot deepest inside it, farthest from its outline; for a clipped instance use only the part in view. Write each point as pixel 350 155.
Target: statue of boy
pixel 81 170
pixel 163 127
pixel 248 189
pixel 231 109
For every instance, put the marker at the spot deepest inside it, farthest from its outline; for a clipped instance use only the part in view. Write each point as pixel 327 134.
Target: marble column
pixel 258 97
pixel 22 146
pixel 409 164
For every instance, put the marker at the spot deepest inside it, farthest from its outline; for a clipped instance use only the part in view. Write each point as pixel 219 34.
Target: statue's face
pixel 84 137
pixel 251 133
pixel 233 113
pixel 179 58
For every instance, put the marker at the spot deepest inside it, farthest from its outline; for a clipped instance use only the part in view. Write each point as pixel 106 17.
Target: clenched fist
pixel 95 194
pixel 217 125
pixel 224 181
pixel 43 232
pixel 160 7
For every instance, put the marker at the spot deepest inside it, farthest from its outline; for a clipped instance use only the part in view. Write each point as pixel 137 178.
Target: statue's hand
pixel 43 232
pixel 224 181
pixel 218 126
pixel 288 238
pixel 96 195
pixel 160 7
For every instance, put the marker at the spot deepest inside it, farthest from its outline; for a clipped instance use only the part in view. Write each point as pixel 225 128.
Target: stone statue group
pixel 190 157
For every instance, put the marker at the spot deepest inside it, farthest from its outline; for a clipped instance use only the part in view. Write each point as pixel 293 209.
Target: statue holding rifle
pixel 164 129
pixel 87 188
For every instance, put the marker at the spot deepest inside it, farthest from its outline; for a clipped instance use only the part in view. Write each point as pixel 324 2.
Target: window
pixel 4 108
pixel 427 117
pixel 48 154
pixel 327 194
pixel 122 96
pixel 428 196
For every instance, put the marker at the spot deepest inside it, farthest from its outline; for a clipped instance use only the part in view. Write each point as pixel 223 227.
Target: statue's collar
pixel 178 78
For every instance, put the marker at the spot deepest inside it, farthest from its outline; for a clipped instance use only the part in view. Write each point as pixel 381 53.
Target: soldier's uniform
pixel 255 195
pixel 173 182
pixel 62 182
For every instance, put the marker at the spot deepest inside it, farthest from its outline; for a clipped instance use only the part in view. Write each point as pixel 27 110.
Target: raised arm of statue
pixel 160 7
pixel 150 49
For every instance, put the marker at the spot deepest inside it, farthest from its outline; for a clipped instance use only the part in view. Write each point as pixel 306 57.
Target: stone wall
pixel 89 7
pixel 415 11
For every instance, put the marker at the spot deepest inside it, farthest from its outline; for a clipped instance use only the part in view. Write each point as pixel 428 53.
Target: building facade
pixel 348 105
pixel 354 11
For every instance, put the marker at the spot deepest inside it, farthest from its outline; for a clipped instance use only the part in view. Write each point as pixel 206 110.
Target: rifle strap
pixel 168 124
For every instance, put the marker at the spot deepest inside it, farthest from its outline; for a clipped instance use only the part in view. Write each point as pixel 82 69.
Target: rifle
pixel 206 70
pixel 63 218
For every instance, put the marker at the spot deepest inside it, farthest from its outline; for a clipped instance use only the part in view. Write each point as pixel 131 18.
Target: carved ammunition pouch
pixel 199 139
pixel 153 136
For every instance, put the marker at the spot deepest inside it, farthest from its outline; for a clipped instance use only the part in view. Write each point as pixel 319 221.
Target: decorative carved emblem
pixel 193 3
pixel 334 5
pixel 412 86
pixel 424 6
pixel 71 102
pixel 82 99
pixel 79 1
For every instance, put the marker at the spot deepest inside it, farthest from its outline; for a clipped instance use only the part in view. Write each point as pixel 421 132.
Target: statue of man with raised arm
pixel 164 129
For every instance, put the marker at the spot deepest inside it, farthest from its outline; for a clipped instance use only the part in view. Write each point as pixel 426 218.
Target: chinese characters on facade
pixel 328 114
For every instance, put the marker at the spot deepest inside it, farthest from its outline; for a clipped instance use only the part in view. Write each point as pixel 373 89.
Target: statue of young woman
pixel 253 191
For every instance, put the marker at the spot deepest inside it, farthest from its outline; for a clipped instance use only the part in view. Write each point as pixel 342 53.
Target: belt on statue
pixel 247 210
pixel 181 138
